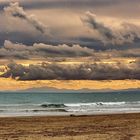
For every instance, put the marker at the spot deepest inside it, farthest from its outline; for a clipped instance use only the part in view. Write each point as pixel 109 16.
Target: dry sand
pixel 103 127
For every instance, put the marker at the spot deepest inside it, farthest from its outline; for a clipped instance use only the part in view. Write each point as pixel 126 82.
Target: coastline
pixel 103 127
pixel 8 84
pixel 67 114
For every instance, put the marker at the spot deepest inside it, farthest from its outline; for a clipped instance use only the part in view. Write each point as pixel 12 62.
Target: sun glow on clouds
pixel 13 85
pixel 111 44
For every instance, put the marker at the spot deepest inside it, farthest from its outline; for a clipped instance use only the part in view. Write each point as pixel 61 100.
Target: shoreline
pixel 104 127
pixel 70 115
pixel 74 115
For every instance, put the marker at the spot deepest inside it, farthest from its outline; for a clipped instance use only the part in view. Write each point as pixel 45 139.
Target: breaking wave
pixel 71 108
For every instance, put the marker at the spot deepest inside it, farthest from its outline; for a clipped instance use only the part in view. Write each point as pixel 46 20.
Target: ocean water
pixel 42 103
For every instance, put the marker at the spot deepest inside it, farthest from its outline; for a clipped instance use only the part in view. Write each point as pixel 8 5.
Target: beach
pixel 97 127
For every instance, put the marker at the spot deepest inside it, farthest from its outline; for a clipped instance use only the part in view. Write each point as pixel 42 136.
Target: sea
pixel 68 103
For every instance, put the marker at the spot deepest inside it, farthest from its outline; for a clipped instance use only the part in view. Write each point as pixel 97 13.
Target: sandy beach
pixel 98 127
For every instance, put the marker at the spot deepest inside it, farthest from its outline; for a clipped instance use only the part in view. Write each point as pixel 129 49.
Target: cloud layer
pixel 40 50
pixel 94 71
pixel 69 30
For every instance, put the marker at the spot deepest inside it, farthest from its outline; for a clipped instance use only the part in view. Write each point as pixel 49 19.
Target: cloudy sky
pixel 101 29
pixel 91 23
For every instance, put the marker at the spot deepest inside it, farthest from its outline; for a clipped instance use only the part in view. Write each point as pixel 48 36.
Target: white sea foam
pixel 15 104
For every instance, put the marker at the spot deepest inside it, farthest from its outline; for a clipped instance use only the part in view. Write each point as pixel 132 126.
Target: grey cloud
pixel 94 71
pixel 40 50
pixel 127 34
pixel 26 37
pixel 18 12
pixel 32 35
pixel 64 50
pixel 100 27
pixel 128 53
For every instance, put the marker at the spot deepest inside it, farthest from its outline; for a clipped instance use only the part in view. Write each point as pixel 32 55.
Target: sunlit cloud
pixel 100 71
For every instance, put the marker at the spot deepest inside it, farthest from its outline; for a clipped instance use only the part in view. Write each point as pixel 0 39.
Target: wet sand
pixel 98 127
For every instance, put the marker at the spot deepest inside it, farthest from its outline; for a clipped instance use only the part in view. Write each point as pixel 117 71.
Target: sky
pixel 71 22
pixel 102 30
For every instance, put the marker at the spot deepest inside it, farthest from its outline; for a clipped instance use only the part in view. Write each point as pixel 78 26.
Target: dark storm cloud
pixel 94 71
pixel 18 12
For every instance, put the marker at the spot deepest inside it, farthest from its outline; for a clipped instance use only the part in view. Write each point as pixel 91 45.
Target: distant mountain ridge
pixel 84 90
